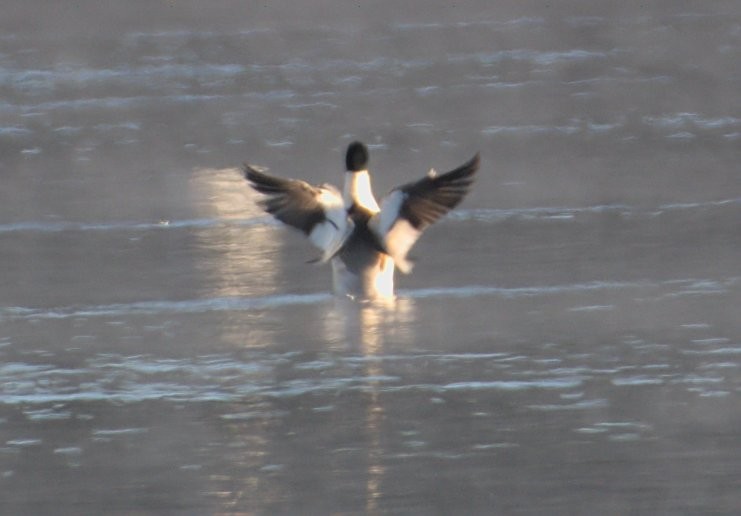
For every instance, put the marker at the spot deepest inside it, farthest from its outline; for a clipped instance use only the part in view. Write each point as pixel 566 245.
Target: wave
pixel 672 126
pixel 677 287
pixel 219 304
pixel 567 213
pixel 212 378
pixel 63 226
pixel 226 377
pixel 142 100
pixel 563 213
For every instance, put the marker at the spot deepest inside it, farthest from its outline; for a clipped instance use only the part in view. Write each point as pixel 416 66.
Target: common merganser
pixel 363 241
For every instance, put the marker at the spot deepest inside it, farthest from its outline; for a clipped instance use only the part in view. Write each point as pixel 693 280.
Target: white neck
pixel 358 191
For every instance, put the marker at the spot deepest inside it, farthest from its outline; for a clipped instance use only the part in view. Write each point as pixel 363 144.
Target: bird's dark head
pixel 356 158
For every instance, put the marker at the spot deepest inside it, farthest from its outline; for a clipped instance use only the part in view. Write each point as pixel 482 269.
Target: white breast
pixel 358 191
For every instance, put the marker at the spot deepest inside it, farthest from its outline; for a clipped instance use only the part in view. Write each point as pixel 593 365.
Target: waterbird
pixel 363 241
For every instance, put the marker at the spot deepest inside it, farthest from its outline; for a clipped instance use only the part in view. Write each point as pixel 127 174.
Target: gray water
pixel 569 342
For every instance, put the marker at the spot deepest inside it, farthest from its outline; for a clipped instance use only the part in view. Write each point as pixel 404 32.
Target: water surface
pixel 569 342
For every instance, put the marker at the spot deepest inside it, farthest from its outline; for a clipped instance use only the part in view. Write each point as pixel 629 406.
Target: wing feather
pixel 317 211
pixel 409 209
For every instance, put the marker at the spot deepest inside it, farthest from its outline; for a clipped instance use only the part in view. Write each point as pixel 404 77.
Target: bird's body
pixel 361 268
pixel 365 242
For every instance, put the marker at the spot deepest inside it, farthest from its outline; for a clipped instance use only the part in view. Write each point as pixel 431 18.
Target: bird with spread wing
pixel 364 241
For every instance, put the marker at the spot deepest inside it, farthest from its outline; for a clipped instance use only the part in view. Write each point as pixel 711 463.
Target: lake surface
pixel 569 342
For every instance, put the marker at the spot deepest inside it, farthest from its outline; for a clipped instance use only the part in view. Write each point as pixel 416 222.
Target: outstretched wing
pixel 409 209
pixel 318 211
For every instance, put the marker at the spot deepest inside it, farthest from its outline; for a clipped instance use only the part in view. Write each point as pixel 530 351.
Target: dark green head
pixel 356 158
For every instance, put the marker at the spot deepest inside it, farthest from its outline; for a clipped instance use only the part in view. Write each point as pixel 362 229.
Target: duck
pixel 364 241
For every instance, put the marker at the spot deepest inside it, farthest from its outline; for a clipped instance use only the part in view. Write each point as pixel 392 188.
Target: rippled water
pixel 569 343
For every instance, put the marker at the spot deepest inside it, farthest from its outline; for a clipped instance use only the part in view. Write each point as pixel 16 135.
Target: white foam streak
pixel 477 214
pixel 61 226
pixel 225 304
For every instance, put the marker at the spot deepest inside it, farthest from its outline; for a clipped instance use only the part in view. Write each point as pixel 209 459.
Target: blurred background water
pixel 569 342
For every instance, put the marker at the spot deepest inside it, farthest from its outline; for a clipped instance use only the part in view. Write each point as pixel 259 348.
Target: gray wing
pixel 409 209
pixel 428 199
pixel 318 211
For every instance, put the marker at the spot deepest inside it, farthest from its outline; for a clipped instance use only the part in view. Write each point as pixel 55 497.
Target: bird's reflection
pixel 371 332
pixel 370 328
